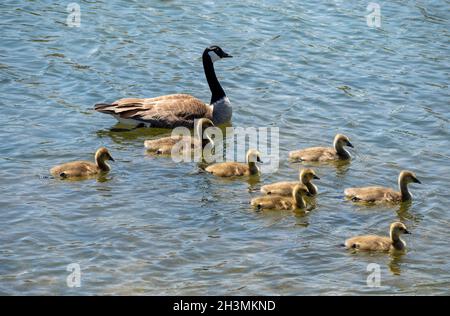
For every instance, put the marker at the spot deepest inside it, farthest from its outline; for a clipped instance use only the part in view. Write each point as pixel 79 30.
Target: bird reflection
pixel 403 211
pixel 341 166
pixel 395 261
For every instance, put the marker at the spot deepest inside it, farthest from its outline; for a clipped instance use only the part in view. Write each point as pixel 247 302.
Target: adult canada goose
pixel 382 194
pixel 174 110
pixel 164 145
pixel 380 243
pixel 285 188
pixel 337 152
pixel 78 169
pixel 278 202
pixel 229 169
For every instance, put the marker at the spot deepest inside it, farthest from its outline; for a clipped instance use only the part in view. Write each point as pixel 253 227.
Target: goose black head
pixel 215 53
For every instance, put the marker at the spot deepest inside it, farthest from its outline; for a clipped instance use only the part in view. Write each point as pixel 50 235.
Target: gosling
pixel 230 169
pixel 382 194
pixel 321 154
pixel 380 243
pixel 285 188
pixel 278 202
pixel 79 169
pixel 164 145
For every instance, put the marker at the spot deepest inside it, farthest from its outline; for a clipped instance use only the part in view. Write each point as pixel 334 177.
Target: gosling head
pixel 201 125
pixel 307 175
pixel 397 229
pixel 253 156
pixel 216 53
pixel 300 190
pixel 103 154
pixel 408 177
pixel 341 140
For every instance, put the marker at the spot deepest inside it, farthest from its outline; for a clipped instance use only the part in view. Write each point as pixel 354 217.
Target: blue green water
pixel 154 226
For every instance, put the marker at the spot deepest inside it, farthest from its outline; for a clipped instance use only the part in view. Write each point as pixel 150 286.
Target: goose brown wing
pixel 166 111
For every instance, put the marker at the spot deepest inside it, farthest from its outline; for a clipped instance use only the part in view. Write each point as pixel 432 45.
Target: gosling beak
pixel 350 145
pixel 259 160
pixel 316 177
pixel 417 181
pixel 407 232
pixel 226 55
pixel 111 158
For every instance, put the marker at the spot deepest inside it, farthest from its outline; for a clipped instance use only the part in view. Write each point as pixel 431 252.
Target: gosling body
pixel 79 169
pixel 230 169
pixel 380 243
pixel 278 202
pixel 323 154
pixel 383 194
pixel 165 145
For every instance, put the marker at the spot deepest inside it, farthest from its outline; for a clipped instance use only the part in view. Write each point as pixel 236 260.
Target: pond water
pixel 153 226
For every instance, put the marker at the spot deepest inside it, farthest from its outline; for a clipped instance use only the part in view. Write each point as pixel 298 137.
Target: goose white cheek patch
pixel 214 56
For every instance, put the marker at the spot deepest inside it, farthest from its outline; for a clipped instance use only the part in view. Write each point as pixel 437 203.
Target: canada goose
pixel 337 152
pixel 382 194
pixel 164 145
pixel 380 243
pixel 285 188
pixel 170 111
pixel 78 169
pixel 278 202
pixel 229 169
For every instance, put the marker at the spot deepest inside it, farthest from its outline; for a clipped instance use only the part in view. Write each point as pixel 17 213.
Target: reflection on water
pixel 121 134
pixel 252 182
pixel 101 177
pixel 403 211
pixel 341 166
pixel 395 261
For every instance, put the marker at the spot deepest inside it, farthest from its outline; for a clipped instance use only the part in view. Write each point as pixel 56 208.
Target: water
pixel 153 226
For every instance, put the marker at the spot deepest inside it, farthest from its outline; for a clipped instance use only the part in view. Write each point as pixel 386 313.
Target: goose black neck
pixel 217 92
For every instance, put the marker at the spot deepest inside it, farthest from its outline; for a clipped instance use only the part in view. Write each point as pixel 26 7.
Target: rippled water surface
pixel 153 226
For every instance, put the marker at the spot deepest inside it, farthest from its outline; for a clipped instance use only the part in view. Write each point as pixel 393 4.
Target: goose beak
pixel 226 55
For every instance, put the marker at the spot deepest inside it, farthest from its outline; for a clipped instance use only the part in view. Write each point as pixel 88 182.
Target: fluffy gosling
pixel 278 202
pixel 230 169
pixel 380 243
pixel 321 154
pixel 285 188
pixel 383 194
pixel 78 169
pixel 164 145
